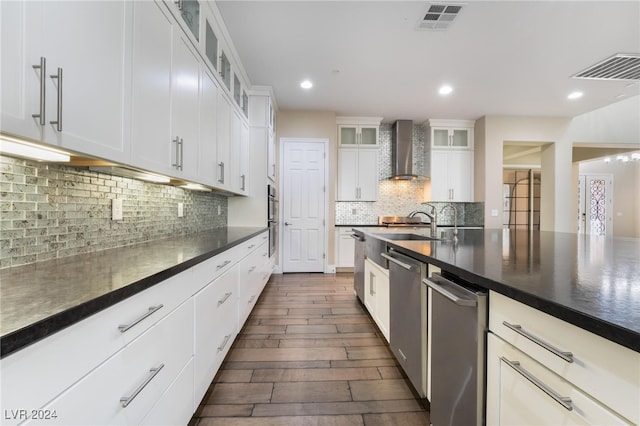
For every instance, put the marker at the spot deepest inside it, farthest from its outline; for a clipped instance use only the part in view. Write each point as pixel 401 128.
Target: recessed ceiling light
pixel 575 95
pixel 306 84
pixel 445 90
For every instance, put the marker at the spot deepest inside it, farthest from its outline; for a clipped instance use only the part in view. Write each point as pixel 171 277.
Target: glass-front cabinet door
pixel 460 138
pixel 211 45
pixel 440 138
pixel 368 135
pixel 190 12
pixel 348 135
pixel 358 135
pixel 225 70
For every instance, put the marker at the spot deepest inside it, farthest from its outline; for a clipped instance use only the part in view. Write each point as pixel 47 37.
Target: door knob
pixel 287 224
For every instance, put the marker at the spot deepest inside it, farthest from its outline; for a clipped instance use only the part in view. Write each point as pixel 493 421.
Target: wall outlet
pixel 494 213
pixel 180 209
pixel 219 209
pixel 116 209
pixel 354 211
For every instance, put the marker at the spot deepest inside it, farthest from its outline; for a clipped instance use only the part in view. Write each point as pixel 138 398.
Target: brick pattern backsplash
pixel 51 211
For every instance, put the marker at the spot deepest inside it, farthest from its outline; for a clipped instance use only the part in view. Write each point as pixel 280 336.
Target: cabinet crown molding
pixel 449 123
pixel 359 120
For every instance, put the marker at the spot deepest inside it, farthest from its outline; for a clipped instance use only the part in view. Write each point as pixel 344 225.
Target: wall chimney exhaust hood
pixel 402 150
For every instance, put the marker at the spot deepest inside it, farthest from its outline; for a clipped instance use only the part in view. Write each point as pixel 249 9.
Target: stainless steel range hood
pixel 402 150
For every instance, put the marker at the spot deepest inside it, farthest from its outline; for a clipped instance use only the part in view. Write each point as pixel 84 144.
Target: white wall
pixel 626 193
pixel 617 124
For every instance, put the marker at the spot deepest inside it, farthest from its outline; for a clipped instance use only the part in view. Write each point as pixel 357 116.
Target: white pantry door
pixel 303 206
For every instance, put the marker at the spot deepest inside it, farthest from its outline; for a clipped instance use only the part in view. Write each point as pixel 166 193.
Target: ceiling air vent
pixel 618 67
pixel 439 16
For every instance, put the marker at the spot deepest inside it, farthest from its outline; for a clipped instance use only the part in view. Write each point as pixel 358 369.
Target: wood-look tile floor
pixel 309 354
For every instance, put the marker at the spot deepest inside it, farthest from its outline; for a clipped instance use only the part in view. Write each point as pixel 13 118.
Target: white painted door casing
pixel 303 206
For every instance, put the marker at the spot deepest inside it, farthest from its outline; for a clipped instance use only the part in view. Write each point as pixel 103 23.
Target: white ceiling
pixel 368 59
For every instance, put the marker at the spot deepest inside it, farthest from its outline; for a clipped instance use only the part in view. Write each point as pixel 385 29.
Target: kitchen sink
pixel 404 236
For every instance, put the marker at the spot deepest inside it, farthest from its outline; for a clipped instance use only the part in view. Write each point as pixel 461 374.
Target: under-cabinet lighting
pixel 23 149
pixel 130 173
pixel 195 187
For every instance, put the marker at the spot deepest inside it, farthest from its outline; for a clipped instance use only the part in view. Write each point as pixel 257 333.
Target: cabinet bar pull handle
pixel 126 400
pixel 243 177
pixel 567 356
pixel 224 342
pixel 221 165
pixel 151 311
pixel 562 400
pixel 58 121
pixel 223 264
pixel 176 163
pixel 43 85
pixel 253 268
pixel 181 146
pixel 224 299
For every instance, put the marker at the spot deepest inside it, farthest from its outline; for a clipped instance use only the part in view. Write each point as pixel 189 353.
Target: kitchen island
pixel 590 282
pixel 42 298
pixel 563 324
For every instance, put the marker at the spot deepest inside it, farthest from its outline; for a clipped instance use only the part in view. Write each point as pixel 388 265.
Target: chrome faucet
pixel 433 216
pixel 455 218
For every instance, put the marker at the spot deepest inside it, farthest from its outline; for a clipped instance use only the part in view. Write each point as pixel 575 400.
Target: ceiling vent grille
pixel 617 67
pixel 439 16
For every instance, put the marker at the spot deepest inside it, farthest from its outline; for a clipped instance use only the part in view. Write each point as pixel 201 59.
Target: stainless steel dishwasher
pixel 408 317
pixel 458 342
pixel 358 265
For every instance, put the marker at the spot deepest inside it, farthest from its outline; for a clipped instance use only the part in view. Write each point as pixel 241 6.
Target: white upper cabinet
pixel 55 87
pixel 451 134
pixel 224 142
pixel 208 153
pixel 358 158
pixel 357 174
pixel 185 77
pixel 239 154
pixel 451 144
pixel 151 88
pixel 358 135
pixel 166 72
pixel 187 12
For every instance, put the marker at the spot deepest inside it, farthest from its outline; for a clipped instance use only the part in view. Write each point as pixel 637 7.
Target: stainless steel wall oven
pixel 272 218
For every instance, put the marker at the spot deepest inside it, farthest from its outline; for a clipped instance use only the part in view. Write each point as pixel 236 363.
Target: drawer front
pixel 250 245
pixel 139 373
pixel 215 327
pixel 520 391
pixel 170 409
pixel 603 369
pixel 36 374
pixel 212 268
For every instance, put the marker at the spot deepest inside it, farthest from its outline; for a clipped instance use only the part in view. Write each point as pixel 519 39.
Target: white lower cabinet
pixel 215 329
pixel 345 246
pixel 523 392
pixel 376 295
pixel 250 282
pixel 166 411
pixel 536 360
pixel 124 388
pixel 146 360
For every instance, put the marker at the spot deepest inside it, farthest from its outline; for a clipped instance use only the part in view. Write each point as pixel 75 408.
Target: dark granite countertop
pixel 590 282
pixel 41 298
